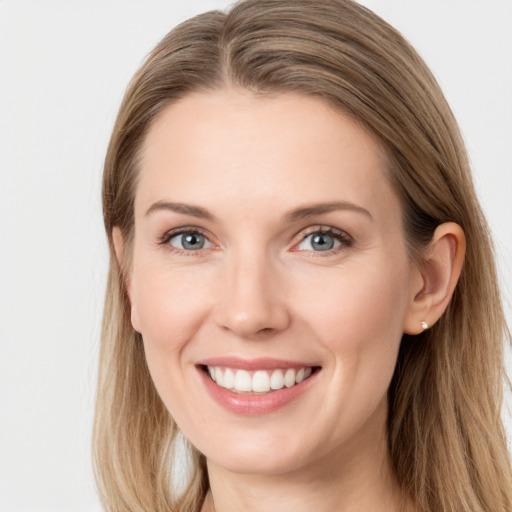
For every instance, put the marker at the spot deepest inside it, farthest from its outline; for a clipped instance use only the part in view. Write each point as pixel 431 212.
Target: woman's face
pixel 269 249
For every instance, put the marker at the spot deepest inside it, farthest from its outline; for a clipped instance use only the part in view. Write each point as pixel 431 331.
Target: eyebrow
pixel 293 216
pixel 186 209
pixel 318 209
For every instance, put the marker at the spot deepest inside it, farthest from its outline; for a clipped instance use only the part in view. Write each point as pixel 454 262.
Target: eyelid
pixel 342 236
pixel 184 230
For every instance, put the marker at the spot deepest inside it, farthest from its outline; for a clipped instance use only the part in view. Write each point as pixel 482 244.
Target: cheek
pixel 357 315
pixel 358 301
pixel 169 305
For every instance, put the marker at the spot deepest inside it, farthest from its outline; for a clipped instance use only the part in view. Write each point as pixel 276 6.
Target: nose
pixel 252 301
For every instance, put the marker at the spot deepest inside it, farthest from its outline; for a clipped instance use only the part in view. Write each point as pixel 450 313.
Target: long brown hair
pixel 445 434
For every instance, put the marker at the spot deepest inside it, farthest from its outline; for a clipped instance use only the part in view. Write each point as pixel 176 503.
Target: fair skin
pixel 268 238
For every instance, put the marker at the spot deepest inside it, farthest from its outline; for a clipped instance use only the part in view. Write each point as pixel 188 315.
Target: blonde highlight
pixel 445 434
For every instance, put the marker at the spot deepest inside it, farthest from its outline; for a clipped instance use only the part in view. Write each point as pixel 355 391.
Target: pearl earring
pixel 424 325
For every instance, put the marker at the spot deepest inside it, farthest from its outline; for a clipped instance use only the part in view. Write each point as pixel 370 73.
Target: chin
pixel 259 456
pixel 263 465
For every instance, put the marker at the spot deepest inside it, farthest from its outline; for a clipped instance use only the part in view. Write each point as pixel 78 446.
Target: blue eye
pixel 192 241
pixel 323 241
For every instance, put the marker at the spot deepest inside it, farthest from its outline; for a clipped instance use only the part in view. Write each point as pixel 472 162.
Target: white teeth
pixel 229 379
pixel 289 378
pixel 243 381
pixel 277 379
pixel 260 381
pixel 218 376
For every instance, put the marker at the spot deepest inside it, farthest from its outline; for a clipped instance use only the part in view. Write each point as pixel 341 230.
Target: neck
pixel 358 477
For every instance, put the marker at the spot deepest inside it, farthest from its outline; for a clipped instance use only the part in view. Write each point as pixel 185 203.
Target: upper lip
pixel 259 363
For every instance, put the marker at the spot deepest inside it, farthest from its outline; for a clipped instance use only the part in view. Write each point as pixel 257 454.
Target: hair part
pixel 445 435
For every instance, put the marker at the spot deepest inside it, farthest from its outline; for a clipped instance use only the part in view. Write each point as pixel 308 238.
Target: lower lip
pixel 254 405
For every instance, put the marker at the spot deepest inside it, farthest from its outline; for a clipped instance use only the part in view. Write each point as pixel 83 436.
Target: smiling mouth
pixel 258 381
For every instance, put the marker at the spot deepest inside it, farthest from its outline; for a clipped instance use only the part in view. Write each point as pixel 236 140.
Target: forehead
pixel 231 147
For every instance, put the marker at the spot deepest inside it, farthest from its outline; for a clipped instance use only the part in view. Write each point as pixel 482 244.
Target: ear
pixel 435 278
pixel 119 249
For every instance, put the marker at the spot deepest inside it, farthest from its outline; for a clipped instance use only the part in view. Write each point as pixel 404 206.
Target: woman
pixel 298 268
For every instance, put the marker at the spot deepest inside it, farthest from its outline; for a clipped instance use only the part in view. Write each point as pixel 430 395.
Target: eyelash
pixel 344 238
pixel 167 237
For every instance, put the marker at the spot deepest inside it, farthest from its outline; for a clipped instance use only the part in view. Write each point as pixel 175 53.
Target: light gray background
pixel 63 69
